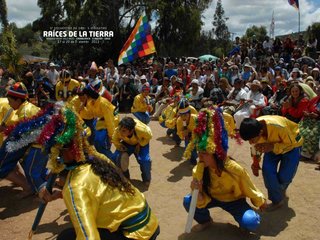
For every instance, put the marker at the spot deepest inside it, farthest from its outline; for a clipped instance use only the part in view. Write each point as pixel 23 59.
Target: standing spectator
pixel 126 95
pixel 53 74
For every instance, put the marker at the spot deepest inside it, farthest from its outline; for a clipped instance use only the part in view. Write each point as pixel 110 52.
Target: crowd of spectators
pixel 257 78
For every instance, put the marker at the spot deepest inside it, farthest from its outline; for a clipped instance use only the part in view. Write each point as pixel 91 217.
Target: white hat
pixel 143 77
pixel 52 65
pixel 196 81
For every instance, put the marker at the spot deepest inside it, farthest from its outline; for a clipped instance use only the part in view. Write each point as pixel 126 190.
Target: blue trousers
pixel 143 117
pixel 102 143
pixel 143 158
pixel 34 164
pixel 277 181
pixel 91 123
pixel 194 155
pixel 239 209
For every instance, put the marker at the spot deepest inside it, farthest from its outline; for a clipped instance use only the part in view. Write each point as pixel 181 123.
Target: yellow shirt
pixel 282 132
pixel 26 110
pixel 94 204
pixel 78 106
pixel 233 184
pixel 142 135
pixel 64 92
pixel 140 104
pixel 170 114
pixel 103 109
pixel 6 113
pixel 191 125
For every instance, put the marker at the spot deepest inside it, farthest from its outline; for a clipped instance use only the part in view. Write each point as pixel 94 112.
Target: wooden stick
pixel 197 174
pixel 6 116
pixel 42 206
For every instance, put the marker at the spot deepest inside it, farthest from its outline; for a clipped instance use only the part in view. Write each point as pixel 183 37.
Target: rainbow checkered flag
pixel 294 3
pixel 139 44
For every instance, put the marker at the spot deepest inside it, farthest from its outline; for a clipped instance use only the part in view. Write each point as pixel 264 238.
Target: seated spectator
pixel 177 85
pixel 315 73
pixel 309 81
pixel 310 129
pixel 215 95
pixel 196 94
pixel 113 90
pixel 236 95
pixel 296 103
pixel 234 74
pixel 225 87
pixel 153 88
pixel 275 102
pixel 295 75
pixel 255 99
pixel 266 89
pixel 246 74
pixel 265 75
pixel 162 97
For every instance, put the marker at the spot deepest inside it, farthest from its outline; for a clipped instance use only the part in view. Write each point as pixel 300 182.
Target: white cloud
pixel 242 14
pixel 245 13
pixel 22 12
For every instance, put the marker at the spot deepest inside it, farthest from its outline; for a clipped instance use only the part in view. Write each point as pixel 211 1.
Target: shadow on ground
pixel 184 169
pixel 12 205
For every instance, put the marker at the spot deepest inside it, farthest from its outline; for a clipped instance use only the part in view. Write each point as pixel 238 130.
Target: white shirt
pixel 53 76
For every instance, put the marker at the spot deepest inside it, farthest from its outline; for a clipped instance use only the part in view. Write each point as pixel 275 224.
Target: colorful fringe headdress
pixel 211 133
pixel 56 126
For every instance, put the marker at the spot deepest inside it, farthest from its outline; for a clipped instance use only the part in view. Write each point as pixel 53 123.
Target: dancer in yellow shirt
pixel 278 138
pixel 224 182
pixel 142 107
pixel 22 146
pixel 133 137
pixel 186 123
pixel 103 110
pixel 101 202
pixel 65 86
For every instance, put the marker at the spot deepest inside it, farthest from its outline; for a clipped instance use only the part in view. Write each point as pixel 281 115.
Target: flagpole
pixel 299 19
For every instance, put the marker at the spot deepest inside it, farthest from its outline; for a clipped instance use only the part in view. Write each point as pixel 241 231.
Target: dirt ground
pixel 171 178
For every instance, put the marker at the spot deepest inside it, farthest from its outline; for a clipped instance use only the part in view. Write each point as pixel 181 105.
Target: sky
pixel 244 15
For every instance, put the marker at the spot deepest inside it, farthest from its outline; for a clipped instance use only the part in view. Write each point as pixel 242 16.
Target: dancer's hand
pixel 263 206
pixel 264 147
pixel 137 149
pixel 255 169
pixel 48 197
pixel 122 148
pixel 195 184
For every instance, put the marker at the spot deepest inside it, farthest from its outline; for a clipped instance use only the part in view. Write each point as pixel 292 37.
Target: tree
pixel 51 14
pixel 259 32
pixel 220 28
pixel 177 32
pixel 178 26
pixel 10 56
pixel 3 13
pixel 314 31
pixel 97 13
